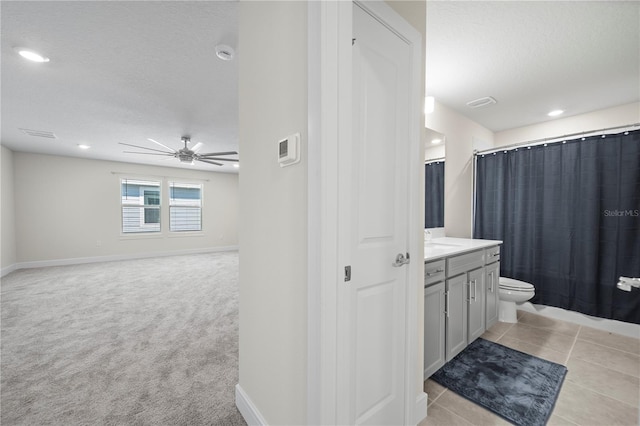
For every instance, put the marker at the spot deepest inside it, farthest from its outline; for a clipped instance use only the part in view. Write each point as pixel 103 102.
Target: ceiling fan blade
pixel 162 145
pixel 210 162
pixel 219 159
pixel 144 147
pixel 215 154
pixel 149 153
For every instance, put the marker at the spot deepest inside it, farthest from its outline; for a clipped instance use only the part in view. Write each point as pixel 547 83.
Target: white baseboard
pixel 612 326
pixel 253 417
pixel 420 412
pixel 7 270
pixel 248 410
pixel 111 258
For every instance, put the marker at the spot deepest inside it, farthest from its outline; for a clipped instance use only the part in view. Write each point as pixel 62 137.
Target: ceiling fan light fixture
pixel 224 52
pixel 237 166
pixel 185 157
pixel 184 154
pixel 31 55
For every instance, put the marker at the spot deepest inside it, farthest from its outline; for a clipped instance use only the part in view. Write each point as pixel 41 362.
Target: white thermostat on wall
pixel 289 150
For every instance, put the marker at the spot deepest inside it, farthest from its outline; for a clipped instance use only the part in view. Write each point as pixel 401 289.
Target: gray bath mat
pixel 516 386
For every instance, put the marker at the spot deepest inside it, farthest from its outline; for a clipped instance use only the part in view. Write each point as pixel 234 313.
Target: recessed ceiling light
pixel 224 52
pixel 83 146
pixel 31 55
pixel 436 141
pixel 555 113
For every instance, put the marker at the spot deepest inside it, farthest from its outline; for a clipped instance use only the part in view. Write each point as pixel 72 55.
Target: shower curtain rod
pixel 555 138
pixel 434 160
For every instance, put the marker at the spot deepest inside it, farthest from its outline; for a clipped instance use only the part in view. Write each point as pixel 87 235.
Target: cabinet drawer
pixel 491 255
pixel 464 262
pixel 434 271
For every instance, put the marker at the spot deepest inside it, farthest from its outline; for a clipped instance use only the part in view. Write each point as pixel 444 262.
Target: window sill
pixel 180 234
pixel 161 235
pixel 141 236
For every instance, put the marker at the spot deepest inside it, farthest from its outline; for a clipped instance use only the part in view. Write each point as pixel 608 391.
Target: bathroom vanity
pixel 461 278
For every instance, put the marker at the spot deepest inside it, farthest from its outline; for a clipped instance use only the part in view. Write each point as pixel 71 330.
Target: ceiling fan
pixel 185 155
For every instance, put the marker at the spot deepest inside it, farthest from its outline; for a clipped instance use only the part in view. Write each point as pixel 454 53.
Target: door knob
pixel 401 260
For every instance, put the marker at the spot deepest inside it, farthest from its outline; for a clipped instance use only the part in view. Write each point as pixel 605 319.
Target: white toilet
pixel 512 292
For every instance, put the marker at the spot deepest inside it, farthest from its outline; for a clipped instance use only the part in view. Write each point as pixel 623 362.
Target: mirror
pixel 434 156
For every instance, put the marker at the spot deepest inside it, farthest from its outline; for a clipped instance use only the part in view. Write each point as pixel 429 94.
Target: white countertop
pixel 438 248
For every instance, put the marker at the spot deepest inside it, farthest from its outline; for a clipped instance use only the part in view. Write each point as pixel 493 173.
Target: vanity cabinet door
pixel 492 281
pixel 475 298
pixel 434 326
pixel 456 315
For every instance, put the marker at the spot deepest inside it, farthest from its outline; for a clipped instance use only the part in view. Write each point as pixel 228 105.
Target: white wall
pixel 462 137
pixel 7 213
pixel 434 152
pixel 65 205
pixel 273 258
pixel 617 116
pixel 273 210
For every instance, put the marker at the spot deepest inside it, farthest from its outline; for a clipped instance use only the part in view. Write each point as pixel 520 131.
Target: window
pixel 140 205
pixel 185 207
pixel 151 198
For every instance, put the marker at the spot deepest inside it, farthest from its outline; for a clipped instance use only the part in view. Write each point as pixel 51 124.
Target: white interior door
pixel 375 225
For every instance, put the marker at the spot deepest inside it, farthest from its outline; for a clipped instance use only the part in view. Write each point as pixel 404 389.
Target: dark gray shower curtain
pixel 434 195
pixel 569 216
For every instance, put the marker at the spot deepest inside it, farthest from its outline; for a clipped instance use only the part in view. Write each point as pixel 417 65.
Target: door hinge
pixel 353 41
pixel 347 273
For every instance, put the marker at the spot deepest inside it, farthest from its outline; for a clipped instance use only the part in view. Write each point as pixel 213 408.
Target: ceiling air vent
pixel 39 133
pixel 482 102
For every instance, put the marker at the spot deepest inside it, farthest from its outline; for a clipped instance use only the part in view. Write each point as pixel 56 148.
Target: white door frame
pixel 330 113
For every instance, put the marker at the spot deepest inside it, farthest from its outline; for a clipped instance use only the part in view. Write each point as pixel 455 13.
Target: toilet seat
pixel 514 285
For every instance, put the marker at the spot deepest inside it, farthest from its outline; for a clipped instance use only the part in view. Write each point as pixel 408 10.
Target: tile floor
pixel 602 386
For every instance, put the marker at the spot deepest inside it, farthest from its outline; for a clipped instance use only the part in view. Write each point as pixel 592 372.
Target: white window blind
pixel 140 200
pixel 185 207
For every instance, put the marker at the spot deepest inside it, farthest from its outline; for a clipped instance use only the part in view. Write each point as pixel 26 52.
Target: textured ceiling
pixel 120 71
pixel 125 71
pixel 532 57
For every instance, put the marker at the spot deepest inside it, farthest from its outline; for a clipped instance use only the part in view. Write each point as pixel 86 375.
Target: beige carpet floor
pixel 138 342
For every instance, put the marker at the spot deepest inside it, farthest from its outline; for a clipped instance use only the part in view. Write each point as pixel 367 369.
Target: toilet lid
pixel 511 284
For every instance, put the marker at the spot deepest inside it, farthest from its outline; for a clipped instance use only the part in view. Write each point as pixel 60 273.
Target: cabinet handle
pixel 475 290
pixel 491 275
pixel 437 271
pixel 446 299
